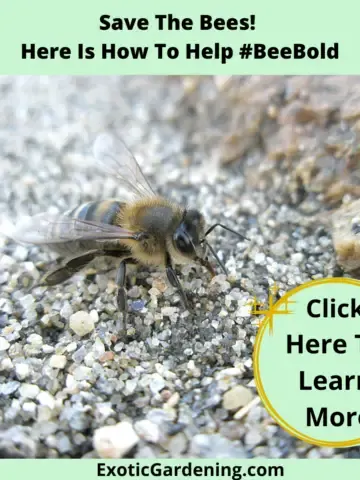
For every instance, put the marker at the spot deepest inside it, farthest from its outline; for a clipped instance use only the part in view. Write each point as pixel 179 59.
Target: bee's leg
pixel 174 281
pixel 205 263
pixel 121 298
pixel 66 271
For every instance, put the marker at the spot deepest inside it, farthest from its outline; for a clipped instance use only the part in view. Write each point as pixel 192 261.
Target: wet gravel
pixel 180 384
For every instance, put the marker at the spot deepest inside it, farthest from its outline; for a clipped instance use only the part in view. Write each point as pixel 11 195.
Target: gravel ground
pixel 252 152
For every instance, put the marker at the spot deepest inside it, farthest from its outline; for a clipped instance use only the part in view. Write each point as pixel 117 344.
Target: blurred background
pixel 300 129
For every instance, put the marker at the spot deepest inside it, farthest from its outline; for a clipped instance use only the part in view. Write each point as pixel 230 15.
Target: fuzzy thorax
pixel 159 218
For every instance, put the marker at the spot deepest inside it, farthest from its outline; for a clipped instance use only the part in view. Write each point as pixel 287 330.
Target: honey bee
pixel 148 230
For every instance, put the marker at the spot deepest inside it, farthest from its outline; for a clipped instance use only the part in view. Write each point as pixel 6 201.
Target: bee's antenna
pixel 216 256
pixel 225 228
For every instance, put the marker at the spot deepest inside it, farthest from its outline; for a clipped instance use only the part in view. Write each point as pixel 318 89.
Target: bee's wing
pixel 114 157
pixel 43 229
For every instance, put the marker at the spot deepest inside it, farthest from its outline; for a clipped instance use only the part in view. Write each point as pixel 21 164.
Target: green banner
pixel 187 37
pixel 128 469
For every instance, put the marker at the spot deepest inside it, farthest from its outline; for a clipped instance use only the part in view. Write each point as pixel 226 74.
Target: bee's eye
pixel 183 243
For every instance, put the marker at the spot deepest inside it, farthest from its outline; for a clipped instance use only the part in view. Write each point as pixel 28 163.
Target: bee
pixel 148 230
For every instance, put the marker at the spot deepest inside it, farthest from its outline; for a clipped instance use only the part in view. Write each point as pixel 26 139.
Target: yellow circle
pixel 259 336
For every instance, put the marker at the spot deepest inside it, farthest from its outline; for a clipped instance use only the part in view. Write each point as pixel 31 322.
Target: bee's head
pixel 189 233
pixel 189 239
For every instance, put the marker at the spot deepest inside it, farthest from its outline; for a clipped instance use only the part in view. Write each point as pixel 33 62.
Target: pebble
pixel 219 283
pixel 160 285
pixel 147 430
pixel 82 373
pixel 35 339
pixel 6 364
pixel 130 386
pixel 6 306
pixel 79 438
pixel 324 242
pixel 6 262
pixel 177 444
pixel 214 446
pixel 47 349
pixel 82 323
pixel 9 388
pixel 4 277
pixel 93 289
pixel 228 372
pixel 157 383
pixel 137 305
pixel 145 451
pixel 237 397
pixel 102 281
pixel 45 320
pixel 77 416
pixel 89 359
pixel 104 411
pixel 165 395
pixel 173 400
pixel 27 390
pixel 27 301
pixel 259 258
pixel 44 414
pixel 17 440
pixel 46 399
pixel 20 253
pixel 71 384
pixel 99 348
pixel 169 311
pixel 114 441
pixel 71 347
pixel 277 249
pixel 134 292
pixel 4 344
pixel 63 444
pixel 107 357
pixel 345 239
pixel 22 370
pixel 66 311
pixel 30 268
pixel 297 258
pixel 29 407
pixel 58 361
pixel 253 437
pixel 94 315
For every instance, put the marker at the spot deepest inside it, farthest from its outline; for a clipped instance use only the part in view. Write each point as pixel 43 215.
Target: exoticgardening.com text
pixel 157 469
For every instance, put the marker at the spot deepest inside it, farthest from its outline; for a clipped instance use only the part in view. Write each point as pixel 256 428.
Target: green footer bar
pixel 185 468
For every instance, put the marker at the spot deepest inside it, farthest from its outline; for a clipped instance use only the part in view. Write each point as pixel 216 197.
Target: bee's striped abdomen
pixel 103 211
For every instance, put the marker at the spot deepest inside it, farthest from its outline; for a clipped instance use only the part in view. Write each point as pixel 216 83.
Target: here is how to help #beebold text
pixel 189 51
